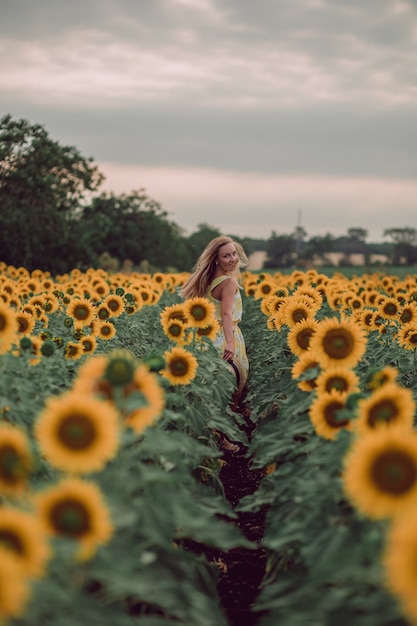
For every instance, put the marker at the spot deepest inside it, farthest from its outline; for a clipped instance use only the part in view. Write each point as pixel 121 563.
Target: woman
pixel 216 276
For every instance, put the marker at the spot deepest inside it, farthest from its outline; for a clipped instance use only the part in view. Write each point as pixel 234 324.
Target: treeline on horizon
pixel 54 217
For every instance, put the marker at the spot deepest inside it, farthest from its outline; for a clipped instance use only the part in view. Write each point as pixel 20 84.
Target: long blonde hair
pixel 203 271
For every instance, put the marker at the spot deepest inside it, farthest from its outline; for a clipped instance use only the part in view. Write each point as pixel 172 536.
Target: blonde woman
pixel 216 276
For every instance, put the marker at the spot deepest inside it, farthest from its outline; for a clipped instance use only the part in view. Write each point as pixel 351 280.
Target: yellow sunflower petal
pixel 78 433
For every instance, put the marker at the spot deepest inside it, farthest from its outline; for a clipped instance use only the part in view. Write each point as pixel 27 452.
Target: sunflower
pixel 408 314
pixel 209 331
pixel 272 304
pixel 250 287
pixel 380 473
pixel 325 416
pixel 376 322
pixel 50 304
pixel 364 318
pixel 379 377
pixel 199 311
pixel 75 509
pixel 26 322
pixel 77 433
pixel 174 312
pixel 399 562
pixel 88 344
pixel 145 383
pixel 389 308
pixel 115 304
pixel 306 369
pixel 175 330
pixel 181 366
pixel 295 310
pixel 120 368
pixel 81 310
pixel 265 288
pixel 74 350
pixel 334 300
pixel 161 279
pixel 337 378
pixel 14 590
pixel 388 405
pixel 105 331
pixel 15 460
pixel 147 294
pixel 338 342
pixel 407 336
pixel 21 533
pixel 102 312
pixel 300 335
pixel 314 297
pixel 90 378
pixel 8 327
pixel 100 288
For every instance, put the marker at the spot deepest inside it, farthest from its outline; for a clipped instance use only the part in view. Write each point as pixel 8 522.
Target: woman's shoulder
pixel 218 280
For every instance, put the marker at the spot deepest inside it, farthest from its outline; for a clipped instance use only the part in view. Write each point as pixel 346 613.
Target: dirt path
pixel 243 569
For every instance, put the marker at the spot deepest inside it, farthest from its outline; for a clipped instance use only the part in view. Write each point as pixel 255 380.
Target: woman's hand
pixel 229 350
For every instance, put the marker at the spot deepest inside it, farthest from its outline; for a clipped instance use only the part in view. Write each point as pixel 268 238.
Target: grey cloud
pixel 322 141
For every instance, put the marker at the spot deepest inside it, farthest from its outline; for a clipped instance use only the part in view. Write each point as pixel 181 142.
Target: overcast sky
pixel 247 115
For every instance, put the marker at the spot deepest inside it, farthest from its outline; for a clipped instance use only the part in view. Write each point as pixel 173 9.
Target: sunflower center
pixel 204 331
pixel 175 329
pixel 338 344
pixel 3 322
pixel 77 432
pixel 11 540
pixel 88 345
pixel 331 415
pixel 406 316
pixel 114 305
pixel 412 338
pixel 105 330
pixel 384 411
pixel 303 338
pixel 70 518
pixel 198 312
pixel 394 472
pixel 81 312
pixel 120 371
pixel 103 314
pixel 12 469
pixel 178 366
pixel 298 315
pixel 336 382
pixel 177 315
pixel 390 308
pixel 23 324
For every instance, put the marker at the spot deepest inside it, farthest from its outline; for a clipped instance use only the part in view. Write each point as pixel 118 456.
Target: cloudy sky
pixel 247 115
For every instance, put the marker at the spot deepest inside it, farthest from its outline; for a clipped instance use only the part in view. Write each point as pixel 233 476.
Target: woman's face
pixel 227 257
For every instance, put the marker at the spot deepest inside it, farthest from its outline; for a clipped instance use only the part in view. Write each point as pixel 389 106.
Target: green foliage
pixel 324 558
pixel 162 488
pixel 41 187
pixel 132 227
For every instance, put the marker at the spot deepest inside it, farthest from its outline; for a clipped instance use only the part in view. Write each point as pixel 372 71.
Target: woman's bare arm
pixel 227 295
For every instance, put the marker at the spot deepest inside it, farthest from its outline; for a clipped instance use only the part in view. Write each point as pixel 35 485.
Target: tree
pixel 134 227
pixel 404 245
pixel 280 250
pixel 197 241
pixel 357 234
pixel 318 247
pixel 42 187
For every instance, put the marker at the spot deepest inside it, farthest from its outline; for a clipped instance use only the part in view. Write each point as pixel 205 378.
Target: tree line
pixel 54 217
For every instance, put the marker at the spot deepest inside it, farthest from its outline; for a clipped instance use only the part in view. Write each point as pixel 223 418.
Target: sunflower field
pixel 113 501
